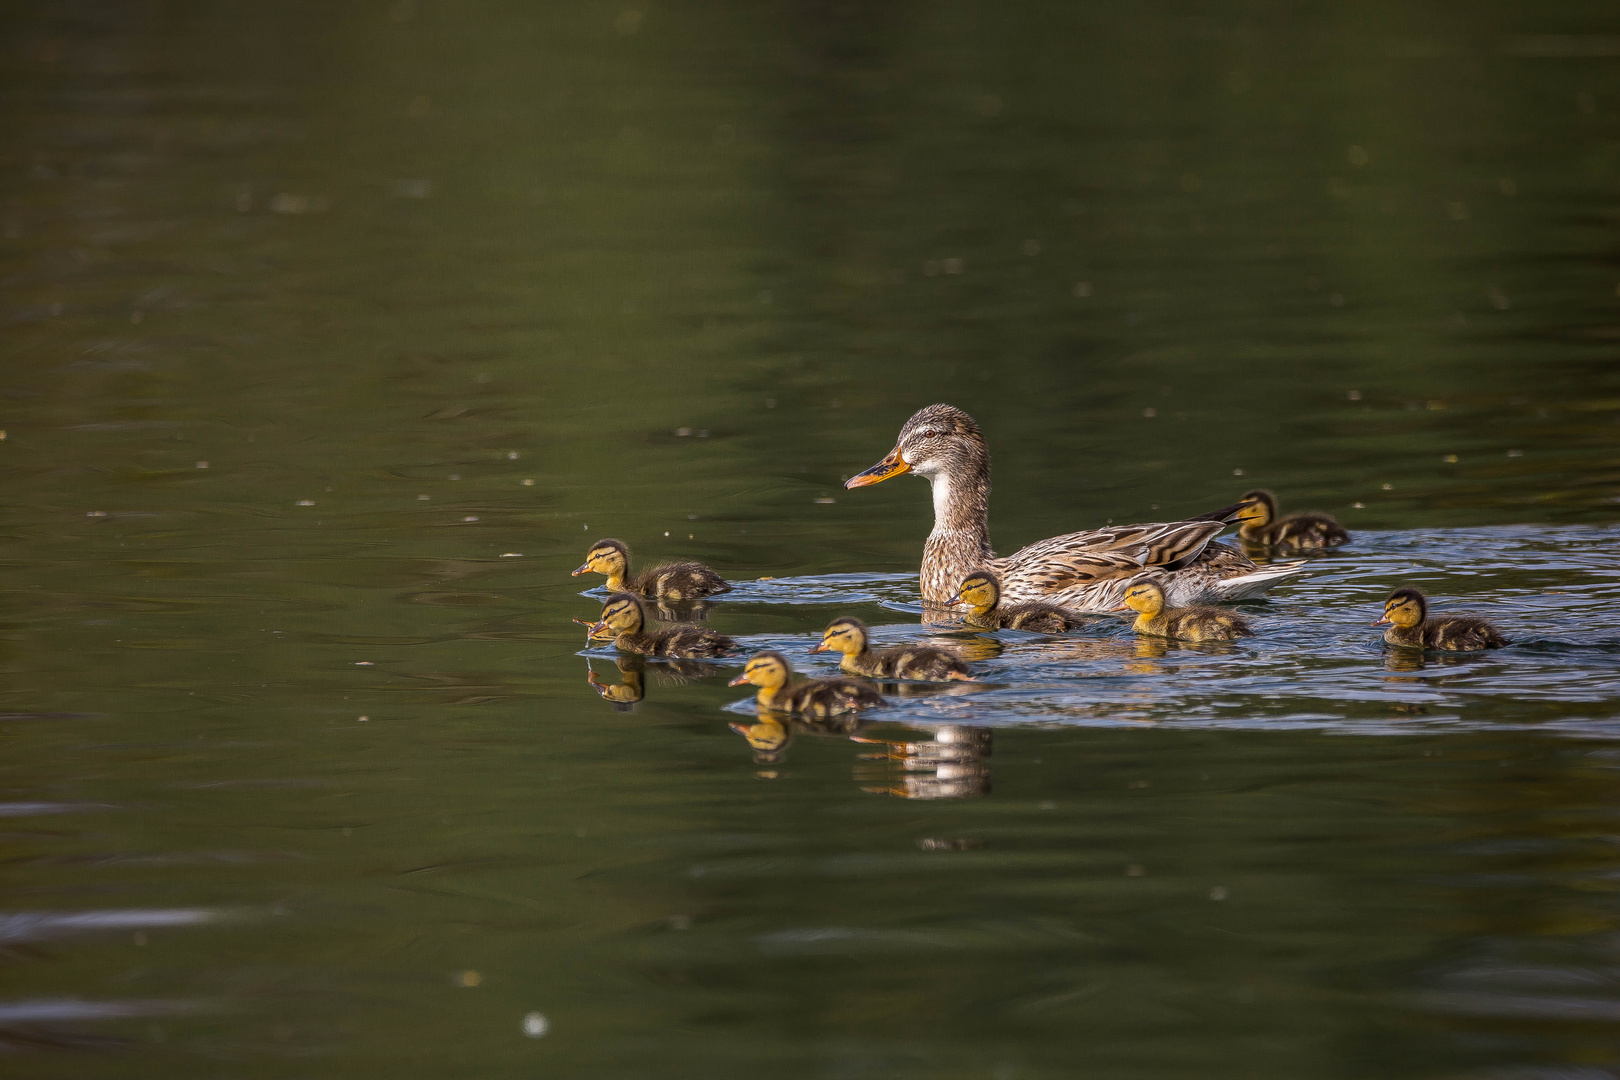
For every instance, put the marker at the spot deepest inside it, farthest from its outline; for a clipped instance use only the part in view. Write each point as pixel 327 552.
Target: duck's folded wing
pixel 1105 554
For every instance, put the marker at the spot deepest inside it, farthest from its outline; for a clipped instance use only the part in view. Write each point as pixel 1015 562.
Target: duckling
pixel 816 698
pixel 623 620
pixel 1146 598
pixel 848 636
pixel 1407 611
pixel 1260 525
pixel 671 581
pixel 981 592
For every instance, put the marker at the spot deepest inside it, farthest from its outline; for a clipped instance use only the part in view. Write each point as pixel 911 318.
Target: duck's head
pixel 981 590
pixel 1405 607
pixel 766 670
pixel 938 439
pixel 845 635
pixel 620 615
pixel 608 557
pixel 1144 598
pixel 1260 509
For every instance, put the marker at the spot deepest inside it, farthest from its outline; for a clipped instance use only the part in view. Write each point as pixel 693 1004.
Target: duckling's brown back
pixel 1207 624
pixel 1460 633
pixel 681 581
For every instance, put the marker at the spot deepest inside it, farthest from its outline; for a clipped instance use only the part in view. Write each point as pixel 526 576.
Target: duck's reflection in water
pixel 633 670
pixel 951 765
pixel 676 610
pixel 1407 660
pixel 771 733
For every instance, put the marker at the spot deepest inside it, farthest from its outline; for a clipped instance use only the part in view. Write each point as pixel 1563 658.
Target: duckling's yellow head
pixel 938 439
pixel 845 635
pixel 766 670
pixel 1144 597
pixel 1260 509
pixel 621 614
pixel 981 590
pixel 1405 607
pixel 608 557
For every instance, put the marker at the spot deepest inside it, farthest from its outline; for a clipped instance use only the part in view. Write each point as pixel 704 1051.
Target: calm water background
pixel 301 772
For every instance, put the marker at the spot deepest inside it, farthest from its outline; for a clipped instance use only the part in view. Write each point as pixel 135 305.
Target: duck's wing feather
pixel 1082 558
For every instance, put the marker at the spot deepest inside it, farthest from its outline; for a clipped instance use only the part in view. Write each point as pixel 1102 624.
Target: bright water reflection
pixel 335 333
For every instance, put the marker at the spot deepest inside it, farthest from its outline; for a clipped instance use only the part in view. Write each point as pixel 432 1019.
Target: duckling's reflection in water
pixel 632 684
pixel 677 610
pixel 951 765
pixel 771 732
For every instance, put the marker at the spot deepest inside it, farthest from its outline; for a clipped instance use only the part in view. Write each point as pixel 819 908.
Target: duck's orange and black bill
pixel 582 570
pixel 820 646
pixel 957 599
pixel 893 465
pixel 739 680
pixel 1121 607
pixel 1380 622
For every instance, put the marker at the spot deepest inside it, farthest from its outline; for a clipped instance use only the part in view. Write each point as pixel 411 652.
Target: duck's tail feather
pixel 1258 581
pixel 1225 514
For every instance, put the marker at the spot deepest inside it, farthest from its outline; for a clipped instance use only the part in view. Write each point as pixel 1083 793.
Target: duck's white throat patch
pixel 941 483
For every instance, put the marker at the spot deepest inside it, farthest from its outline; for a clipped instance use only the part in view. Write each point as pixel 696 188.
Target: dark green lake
pixel 334 333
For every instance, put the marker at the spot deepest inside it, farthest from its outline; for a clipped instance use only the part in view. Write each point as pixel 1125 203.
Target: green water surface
pixel 334 333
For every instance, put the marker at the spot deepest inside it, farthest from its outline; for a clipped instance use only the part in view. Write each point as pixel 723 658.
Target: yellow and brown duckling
pixel 1406 612
pixel 624 621
pixel 1146 598
pixel 923 662
pixel 1307 530
pixel 815 698
pixel 981 592
pixel 671 581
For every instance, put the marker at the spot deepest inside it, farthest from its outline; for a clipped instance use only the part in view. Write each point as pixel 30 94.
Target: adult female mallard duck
pixel 921 662
pixel 1146 598
pixel 1406 611
pixel 1085 571
pixel 624 621
pixel 815 698
pixel 981 592
pixel 671 581
pixel 1306 530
